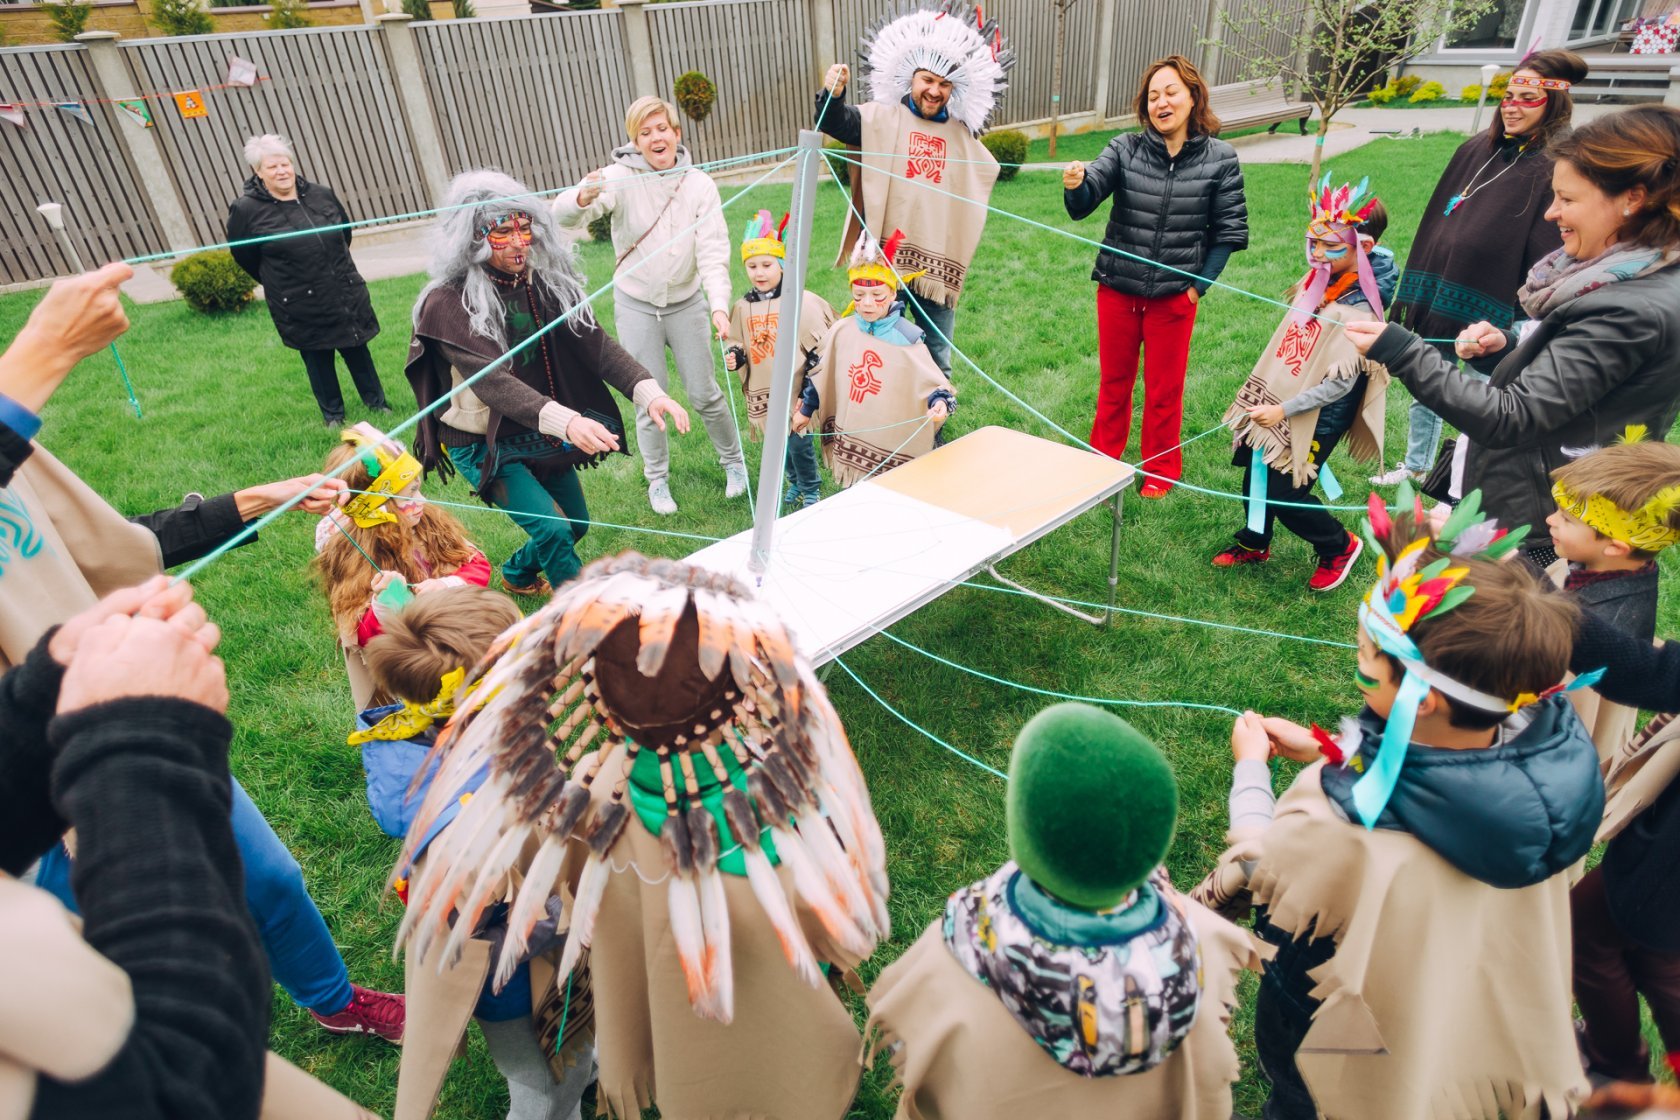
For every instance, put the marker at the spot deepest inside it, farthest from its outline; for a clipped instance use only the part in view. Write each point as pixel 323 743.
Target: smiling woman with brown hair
pixel 1178 203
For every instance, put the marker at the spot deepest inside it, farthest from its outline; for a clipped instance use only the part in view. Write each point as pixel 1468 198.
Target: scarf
pixel 872 394
pixel 1109 1007
pixel 913 193
pixel 1558 278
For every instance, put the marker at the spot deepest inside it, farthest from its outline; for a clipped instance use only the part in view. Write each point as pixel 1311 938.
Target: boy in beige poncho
pixel 1415 879
pixel 1310 388
pixel 933 77
pixel 876 395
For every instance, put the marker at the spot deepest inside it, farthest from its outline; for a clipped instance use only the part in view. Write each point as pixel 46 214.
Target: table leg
pixel 1114 559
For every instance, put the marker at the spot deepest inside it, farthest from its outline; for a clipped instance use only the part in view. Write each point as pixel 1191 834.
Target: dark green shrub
pixel 286 14
pixel 68 19
pixel 212 283
pixel 419 9
pixel 181 17
pixel 1009 148
pixel 601 228
pixel 695 95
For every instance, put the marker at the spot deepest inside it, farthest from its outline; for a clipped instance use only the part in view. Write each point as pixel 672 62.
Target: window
pixel 1600 19
pixel 1497 30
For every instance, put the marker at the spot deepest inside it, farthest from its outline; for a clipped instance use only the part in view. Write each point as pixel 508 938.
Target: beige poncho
pixel 61 548
pixel 873 395
pixel 1299 357
pixel 911 190
pixel 1447 999
pixel 752 327
pixel 961 1054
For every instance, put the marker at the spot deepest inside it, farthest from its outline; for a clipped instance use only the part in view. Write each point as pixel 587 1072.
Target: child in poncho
pixel 423 658
pixel 876 395
pixel 385 546
pixel 1415 879
pixel 1074 982
pixel 1310 388
pixel 1617 507
pixel 753 325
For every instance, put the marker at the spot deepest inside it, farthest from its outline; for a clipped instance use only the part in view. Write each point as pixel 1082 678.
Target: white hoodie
pixel 681 262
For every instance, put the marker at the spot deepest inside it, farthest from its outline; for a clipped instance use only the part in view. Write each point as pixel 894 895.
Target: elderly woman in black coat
pixel 317 298
pixel 1601 348
pixel 1178 201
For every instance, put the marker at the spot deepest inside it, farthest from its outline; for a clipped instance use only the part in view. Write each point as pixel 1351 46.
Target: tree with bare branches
pixel 1330 50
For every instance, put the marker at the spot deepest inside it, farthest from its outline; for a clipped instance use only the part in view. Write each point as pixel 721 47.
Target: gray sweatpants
pixel 533 1094
pixel 685 328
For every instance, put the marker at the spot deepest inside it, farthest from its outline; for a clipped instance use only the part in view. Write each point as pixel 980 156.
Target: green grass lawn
pixel 226 405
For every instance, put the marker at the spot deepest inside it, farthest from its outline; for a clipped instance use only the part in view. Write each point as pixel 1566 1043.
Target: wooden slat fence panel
pixel 757 53
pixel 58 158
pixel 1145 30
pixel 542 98
pixel 330 91
pixel 1274 41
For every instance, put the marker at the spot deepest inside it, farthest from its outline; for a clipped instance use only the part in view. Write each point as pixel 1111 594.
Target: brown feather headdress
pixel 651 656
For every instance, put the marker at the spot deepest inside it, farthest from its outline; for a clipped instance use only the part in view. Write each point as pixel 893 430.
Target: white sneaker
pixel 1396 476
pixel 734 480
pixel 659 497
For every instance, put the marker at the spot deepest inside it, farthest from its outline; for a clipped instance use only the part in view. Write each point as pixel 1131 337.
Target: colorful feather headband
pixel 872 261
pixel 1409 591
pixel 763 239
pixel 1332 216
pixel 709 730
pixel 391 468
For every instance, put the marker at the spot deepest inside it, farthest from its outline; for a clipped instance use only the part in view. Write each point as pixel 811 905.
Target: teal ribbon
pixel 1371 793
pixel 1327 480
pixel 1257 491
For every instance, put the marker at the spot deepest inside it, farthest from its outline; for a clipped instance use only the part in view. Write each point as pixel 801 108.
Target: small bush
pixel 1428 91
pixel 1009 148
pixel 601 228
pixel 286 14
pixel 1382 95
pixel 1471 92
pixel 419 9
pixel 68 19
pixel 1496 88
pixel 181 17
pixel 463 9
pixel 212 283
pixel 1404 86
pixel 695 95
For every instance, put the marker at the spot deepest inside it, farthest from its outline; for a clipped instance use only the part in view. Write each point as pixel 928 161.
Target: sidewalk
pixel 402 250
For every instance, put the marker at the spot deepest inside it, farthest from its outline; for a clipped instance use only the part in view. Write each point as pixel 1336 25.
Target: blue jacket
pixel 1511 815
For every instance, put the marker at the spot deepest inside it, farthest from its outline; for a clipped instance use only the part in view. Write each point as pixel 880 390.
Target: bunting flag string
pixel 241 74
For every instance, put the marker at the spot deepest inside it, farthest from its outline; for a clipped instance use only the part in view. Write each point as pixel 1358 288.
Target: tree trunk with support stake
pixel 1056 74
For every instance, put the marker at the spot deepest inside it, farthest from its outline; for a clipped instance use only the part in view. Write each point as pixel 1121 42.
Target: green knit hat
pixel 1091 805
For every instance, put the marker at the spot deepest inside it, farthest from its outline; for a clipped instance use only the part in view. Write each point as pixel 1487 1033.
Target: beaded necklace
pixel 1471 188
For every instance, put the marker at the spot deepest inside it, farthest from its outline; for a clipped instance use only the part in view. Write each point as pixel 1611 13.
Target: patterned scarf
pixel 1113 1007
pixel 1558 278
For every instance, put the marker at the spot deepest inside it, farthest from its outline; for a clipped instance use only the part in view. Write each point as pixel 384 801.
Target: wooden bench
pixel 1625 77
pixel 1262 102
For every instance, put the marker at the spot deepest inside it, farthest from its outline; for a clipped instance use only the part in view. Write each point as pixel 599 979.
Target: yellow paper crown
pixel 391 468
pixel 764 238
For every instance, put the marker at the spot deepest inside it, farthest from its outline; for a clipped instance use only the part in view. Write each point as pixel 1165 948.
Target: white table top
pixel 862 559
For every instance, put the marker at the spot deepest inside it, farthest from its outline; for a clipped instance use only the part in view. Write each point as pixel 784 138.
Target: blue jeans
pixel 1423 430
pixel 533 498
pixel 938 322
pixel 301 953
pixel 803 477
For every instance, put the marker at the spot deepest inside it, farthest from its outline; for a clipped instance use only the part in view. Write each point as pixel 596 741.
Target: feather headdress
pixel 1334 215
pixel 391 468
pixel 1409 591
pixel 652 658
pixel 953 39
pixel 763 238
pixel 872 261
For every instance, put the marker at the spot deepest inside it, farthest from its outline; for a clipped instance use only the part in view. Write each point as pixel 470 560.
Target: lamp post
pixel 1488 72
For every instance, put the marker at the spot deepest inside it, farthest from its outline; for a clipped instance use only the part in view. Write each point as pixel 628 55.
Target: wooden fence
pixel 386 113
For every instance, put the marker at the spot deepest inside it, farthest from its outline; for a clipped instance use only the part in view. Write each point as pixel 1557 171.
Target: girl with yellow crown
pixel 385 546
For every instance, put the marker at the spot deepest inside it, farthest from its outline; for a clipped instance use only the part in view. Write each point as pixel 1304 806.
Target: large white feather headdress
pixel 952 38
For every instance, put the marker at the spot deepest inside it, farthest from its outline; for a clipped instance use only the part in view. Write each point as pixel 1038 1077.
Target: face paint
pixel 1367 684
pixel 518 226
pixel 1329 250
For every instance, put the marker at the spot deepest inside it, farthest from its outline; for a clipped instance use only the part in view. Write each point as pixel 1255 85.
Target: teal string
pixel 586 521
pixel 254 527
pixel 412 214
pixel 740 439
pixel 352 540
pixel 134 401
pixel 902 718
pixel 566 1008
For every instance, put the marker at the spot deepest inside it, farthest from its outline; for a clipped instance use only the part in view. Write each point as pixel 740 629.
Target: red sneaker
pixel 369 1012
pixel 1153 490
pixel 1236 556
pixel 1331 574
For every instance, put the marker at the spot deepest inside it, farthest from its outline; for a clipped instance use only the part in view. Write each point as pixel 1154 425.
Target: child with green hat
pixel 1073 981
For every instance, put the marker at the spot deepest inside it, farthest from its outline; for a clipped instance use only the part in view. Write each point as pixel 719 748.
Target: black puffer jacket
pixel 1166 209
pixel 317 298
pixel 1586 371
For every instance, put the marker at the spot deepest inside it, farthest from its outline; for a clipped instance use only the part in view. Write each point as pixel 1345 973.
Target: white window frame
pixel 1524 29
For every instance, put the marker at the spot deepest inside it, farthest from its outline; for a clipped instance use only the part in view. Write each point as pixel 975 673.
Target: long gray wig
pixel 474 200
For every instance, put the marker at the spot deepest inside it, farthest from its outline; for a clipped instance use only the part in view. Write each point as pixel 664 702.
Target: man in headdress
pixel 933 78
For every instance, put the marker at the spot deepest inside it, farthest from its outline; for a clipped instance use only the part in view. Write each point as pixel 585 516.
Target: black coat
pixel 317 298
pixel 1166 209
pixel 1585 372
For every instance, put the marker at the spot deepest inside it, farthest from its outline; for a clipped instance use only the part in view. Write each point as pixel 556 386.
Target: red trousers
pixel 1161 327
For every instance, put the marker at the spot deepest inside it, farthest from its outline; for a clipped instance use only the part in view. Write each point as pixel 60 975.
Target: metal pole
pixel 1488 72
pixel 53 212
pixel 788 357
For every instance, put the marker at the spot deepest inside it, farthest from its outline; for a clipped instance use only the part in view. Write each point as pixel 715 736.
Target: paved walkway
pixel 402 250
